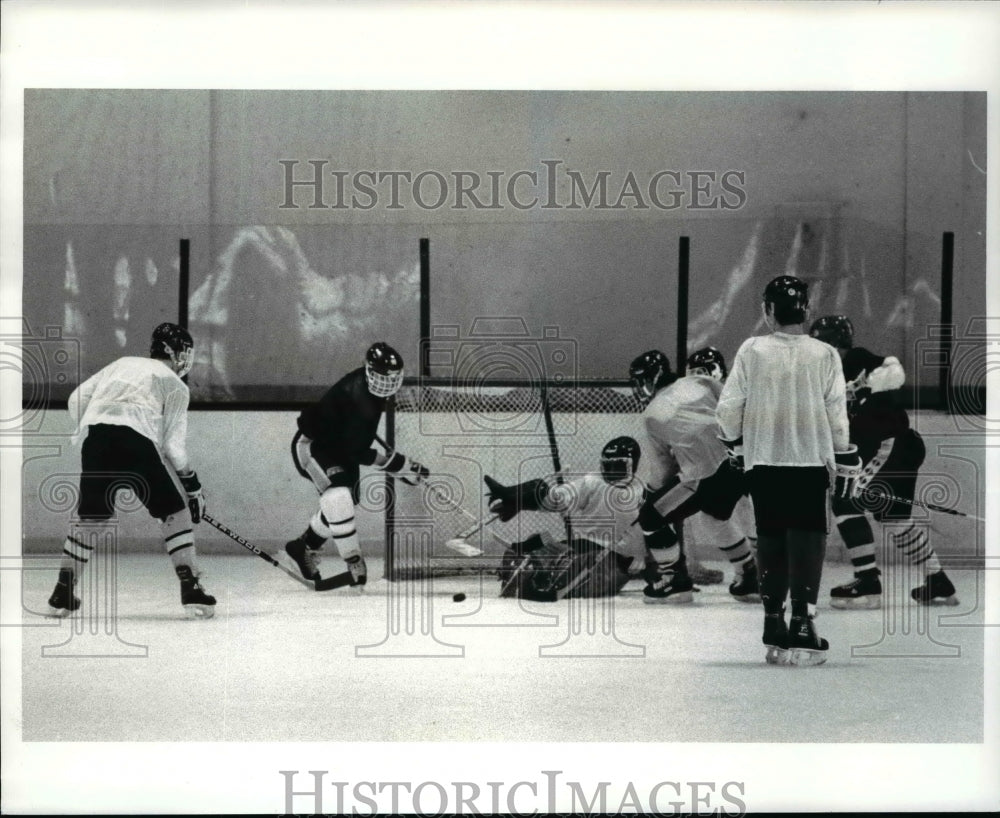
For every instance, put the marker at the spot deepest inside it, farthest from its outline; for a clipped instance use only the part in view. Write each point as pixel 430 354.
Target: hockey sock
pixel 178 539
pixel 663 547
pixel 806 550
pixel 856 532
pixel 914 544
pixel 79 545
pixel 772 562
pixel 739 554
pixel 336 519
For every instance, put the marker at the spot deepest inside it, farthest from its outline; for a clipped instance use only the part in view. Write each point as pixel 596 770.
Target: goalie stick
pixel 328 584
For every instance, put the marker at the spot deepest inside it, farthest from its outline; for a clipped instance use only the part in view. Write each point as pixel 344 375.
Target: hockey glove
pixel 410 471
pixel 858 391
pixel 847 469
pixel 734 449
pixel 508 501
pixel 196 498
pixel 415 473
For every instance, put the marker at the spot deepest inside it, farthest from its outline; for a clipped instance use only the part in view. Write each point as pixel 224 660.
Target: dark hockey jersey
pixel 345 420
pixel 874 416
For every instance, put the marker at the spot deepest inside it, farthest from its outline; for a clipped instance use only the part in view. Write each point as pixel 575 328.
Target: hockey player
pixel 333 441
pixel 132 417
pixel 783 412
pixel 892 453
pixel 601 509
pixel 687 470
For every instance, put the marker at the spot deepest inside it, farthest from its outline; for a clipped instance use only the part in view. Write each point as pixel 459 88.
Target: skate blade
pixel 680 597
pixel 199 611
pixel 803 657
pixel 940 601
pixel 57 613
pixel 776 656
pixel 860 603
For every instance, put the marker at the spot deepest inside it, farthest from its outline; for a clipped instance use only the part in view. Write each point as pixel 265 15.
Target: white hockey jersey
pixel 785 396
pixel 144 394
pixel 681 432
pixel 600 512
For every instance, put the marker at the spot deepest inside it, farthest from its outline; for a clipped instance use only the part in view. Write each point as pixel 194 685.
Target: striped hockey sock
pixel 914 544
pixel 739 554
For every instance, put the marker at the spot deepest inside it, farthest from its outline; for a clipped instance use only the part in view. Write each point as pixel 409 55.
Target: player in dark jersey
pixel 892 453
pixel 334 440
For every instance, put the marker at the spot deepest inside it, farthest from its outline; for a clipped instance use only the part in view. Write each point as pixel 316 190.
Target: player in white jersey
pixel 783 413
pixel 132 417
pixel 686 470
pixel 601 509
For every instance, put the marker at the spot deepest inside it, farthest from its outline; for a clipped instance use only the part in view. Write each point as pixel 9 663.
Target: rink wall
pixel 244 461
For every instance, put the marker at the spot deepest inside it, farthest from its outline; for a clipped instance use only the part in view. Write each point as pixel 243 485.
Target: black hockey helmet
pixel 835 330
pixel 383 369
pixel 707 361
pixel 619 460
pixel 650 372
pixel 787 299
pixel 171 342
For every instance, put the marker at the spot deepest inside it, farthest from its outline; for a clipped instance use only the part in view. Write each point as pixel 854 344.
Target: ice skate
pixel 306 559
pixel 359 571
pixel 775 639
pixel 936 590
pixel 805 647
pixel 197 604
pixel 671 587
pixel 745 587
pixel 864 592
pixel 63 601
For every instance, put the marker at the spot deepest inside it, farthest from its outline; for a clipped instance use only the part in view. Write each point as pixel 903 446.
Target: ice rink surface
pixel 403 662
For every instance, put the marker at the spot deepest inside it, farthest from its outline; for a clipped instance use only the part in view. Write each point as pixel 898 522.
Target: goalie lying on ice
pixel 601 509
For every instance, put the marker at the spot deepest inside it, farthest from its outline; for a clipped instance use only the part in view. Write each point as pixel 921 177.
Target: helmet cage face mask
pixel 648 373
pixel 617 470
pixel 383 385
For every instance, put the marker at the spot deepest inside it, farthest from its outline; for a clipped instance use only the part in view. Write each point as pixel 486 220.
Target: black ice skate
pixel 864 592
pixel 936 590
pixel 359 571
pixel 673 586
pixel 63 601
pixel 307 559
pixel 197 604
pixel 805 647
pixel 775 638
pixel 745 587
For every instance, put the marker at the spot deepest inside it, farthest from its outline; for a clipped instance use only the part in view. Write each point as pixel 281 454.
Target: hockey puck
pixel 459 597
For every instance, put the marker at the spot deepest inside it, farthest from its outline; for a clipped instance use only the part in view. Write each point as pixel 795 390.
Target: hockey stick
pixel 877 495
pixel 458 542
pixel 336 581
pixel 253 549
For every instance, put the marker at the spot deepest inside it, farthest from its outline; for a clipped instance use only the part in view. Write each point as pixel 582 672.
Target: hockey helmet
pixel 707 361
pixel 648 373
pixel 171 342
pixel 619 460
pixel 786 294
pixel 383 369
pixel 835 330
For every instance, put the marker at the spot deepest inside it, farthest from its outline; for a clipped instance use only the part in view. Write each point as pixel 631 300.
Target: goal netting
pixel 511 433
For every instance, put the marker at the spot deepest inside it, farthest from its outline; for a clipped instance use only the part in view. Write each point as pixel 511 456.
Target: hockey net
pixel 512 434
